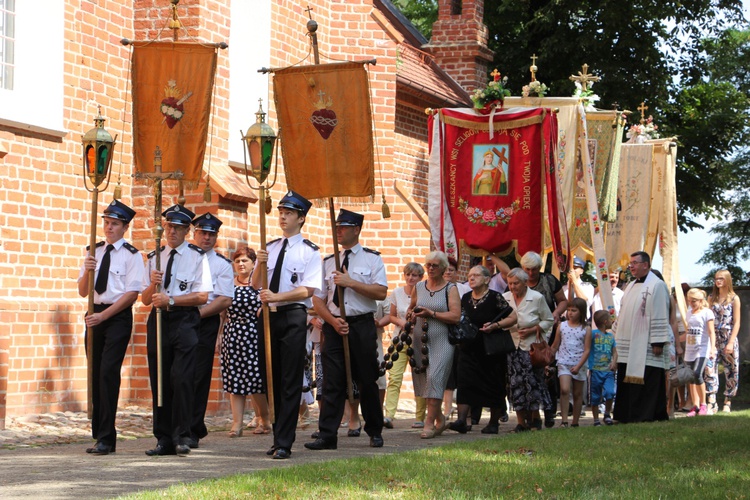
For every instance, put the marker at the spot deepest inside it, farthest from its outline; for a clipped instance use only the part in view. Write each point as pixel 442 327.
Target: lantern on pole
pixel 98 146
pixel 260 146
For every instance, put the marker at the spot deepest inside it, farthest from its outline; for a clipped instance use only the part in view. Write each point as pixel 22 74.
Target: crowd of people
pixel 331 314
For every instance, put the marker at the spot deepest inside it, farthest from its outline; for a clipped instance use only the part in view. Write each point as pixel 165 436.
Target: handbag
pixel 501 342
pixel 540 353
pixel 462 332
pixel 682 375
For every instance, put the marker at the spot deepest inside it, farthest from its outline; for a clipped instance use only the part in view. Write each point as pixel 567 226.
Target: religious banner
pixel 325 126
pixel 488 195
pixel 172 88
pixel 628 233
pixel 604 131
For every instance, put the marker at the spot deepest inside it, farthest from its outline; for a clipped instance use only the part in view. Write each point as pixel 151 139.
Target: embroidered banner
pixel 325 126
pixel 489 194
pixel 604 130
pixel 172 88
pixel 628 233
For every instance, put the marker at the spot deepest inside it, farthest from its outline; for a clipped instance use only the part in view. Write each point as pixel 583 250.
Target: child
pixel 572 347
pixel 700 345
pixel 602 365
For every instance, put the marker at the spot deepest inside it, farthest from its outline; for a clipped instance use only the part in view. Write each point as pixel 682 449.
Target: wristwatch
pixel 170 304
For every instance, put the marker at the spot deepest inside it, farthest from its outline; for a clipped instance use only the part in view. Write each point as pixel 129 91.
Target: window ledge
pixel 33 129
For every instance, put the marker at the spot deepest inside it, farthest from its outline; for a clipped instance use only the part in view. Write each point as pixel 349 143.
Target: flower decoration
pixel 488 217
pixel 535 87
pixel 587 96
pixel 643 131
pixel 495 91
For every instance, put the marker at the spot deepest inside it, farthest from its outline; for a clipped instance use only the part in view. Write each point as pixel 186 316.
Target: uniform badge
pixel 294 278
pixel 183 286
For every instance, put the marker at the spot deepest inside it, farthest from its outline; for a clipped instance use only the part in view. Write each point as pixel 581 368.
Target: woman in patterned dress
pixel 726 307
pixel 242 360
pixel 436 304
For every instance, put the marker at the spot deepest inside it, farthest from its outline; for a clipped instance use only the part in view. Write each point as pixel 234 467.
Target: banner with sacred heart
pixel 325 126
pixel 486 191
pixel 172 88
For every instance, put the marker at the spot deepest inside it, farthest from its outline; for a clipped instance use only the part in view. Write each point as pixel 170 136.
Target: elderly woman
pixel 528 391
pixel 399 303
pixel 435 304
pixel 481 378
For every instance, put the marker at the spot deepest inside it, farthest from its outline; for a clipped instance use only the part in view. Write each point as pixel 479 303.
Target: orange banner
pixel 172 88
pixel 325 127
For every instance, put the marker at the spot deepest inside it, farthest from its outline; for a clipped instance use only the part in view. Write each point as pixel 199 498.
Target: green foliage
pixel 421 13
pixel 731 242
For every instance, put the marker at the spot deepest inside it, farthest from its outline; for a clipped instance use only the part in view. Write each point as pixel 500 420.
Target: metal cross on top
pixel 495 74
pixel 642 108
pixel 533 67
pixel 584 77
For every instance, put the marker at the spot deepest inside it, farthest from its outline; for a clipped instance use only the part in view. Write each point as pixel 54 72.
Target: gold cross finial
pixel 533 68
pixel 584 77
pixel 642 108
pixel 495 74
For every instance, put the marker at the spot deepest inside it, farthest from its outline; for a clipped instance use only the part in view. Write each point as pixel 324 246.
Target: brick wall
pixel 45 210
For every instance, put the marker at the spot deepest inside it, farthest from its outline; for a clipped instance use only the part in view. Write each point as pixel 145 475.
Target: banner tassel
pixel 386 211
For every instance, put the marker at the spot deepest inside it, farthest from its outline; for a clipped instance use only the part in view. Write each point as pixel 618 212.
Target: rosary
pixel 397 345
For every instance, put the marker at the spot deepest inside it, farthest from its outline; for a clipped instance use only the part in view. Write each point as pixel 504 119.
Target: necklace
pixel 243 283
pixel 432 294
pixel 476 302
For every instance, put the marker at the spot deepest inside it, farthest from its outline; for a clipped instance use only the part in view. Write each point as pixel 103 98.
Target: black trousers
pixel 288 337
pixel 363 352
pixel 179 339
pixel 111 340
pixel 204 367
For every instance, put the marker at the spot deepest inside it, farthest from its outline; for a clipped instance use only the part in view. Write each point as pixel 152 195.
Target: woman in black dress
pixel 481 378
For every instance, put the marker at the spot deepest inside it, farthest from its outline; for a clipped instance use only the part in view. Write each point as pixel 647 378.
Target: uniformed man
pixel 294 274
pixel 364 282
pixel 118 268
pixel 222 276
pixel 186 283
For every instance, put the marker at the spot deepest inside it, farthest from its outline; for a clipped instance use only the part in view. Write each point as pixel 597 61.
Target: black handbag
pixel 499 342
pixel 463 332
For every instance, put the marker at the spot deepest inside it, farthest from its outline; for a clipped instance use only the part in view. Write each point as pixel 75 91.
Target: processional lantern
pixel 98 146
pixel 260 141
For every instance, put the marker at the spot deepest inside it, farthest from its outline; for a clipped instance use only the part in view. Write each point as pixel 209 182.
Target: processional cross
pixel 642 108
pixel 533 67
pixel 584 77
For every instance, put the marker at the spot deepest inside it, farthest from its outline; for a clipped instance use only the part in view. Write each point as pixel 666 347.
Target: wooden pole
pixel 157 232
pixel 266 318
pixel 90 330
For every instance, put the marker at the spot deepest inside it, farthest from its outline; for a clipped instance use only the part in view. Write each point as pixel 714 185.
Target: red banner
pixel 491 190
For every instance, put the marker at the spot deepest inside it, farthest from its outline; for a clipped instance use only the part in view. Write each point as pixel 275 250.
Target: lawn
pixel 703 457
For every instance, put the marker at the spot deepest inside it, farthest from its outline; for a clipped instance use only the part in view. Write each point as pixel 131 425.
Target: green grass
pixel 705 457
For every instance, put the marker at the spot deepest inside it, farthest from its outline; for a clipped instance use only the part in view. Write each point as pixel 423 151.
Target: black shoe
pixel 376 441
pixel 549 418
pixel 322 444
pixel 536 424
pixel 388 423
pixel 491 429
pixel 100 449
pixel 504 417
pixel 520 428
pixel 192 443
pixel 354 433
pixel 315 435
pixel 182 450
pixel 459 426
pixel 161 450
pixel 281 454
pixel 271 451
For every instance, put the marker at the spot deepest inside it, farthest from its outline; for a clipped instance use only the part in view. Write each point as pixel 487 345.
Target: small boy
pixel 602 365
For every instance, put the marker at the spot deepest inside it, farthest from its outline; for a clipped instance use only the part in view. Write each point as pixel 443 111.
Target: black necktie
pixel 101 278
pixel 168 273
pixel 276 277
pixel 344 265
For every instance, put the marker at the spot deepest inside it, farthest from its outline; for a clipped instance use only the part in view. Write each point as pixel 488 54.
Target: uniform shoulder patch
pixel 370 250
pixel 101 243
pixel 273 241
pixel 225 258
pixel 196 248
pixel 311 244
pixel 130 248
pixel 153 252
pixel 329 257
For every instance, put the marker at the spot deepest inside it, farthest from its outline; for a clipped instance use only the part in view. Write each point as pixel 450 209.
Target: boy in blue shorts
pixel 602 366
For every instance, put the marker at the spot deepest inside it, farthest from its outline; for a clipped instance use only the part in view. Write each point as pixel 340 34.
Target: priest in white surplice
pixel 641 335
